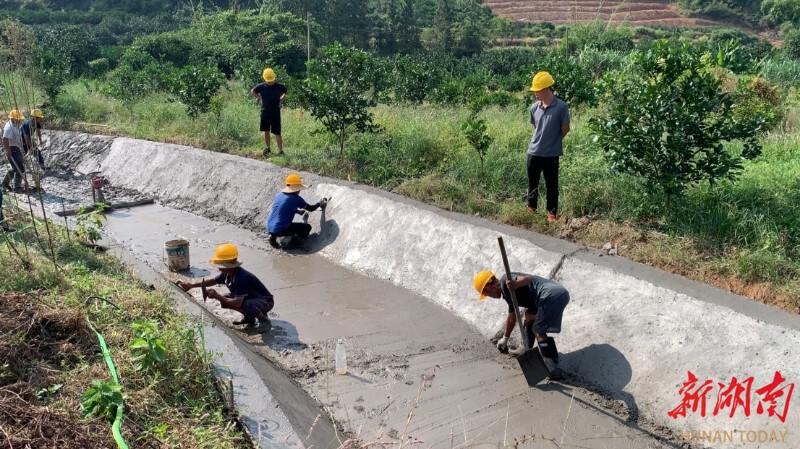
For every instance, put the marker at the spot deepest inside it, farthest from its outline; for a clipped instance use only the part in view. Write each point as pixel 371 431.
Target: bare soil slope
pixel 640 12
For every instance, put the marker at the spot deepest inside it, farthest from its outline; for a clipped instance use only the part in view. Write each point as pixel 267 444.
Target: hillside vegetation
pixel 703 183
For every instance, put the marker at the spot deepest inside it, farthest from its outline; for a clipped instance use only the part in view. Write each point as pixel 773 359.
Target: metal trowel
pixel 530 361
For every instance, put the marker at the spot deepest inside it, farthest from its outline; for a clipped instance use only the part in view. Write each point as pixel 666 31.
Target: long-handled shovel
pixel 530 361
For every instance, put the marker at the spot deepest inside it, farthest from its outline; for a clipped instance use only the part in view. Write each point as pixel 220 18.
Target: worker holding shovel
pixel 247 295
pixel 544 302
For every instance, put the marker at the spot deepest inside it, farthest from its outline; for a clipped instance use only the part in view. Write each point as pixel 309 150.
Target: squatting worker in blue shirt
pixel 286 205
pixel 247 295
pixel 544 302
pixel 270 95
pixel 550 120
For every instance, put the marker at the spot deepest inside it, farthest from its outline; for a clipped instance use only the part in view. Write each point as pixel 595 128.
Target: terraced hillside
pixel 640 12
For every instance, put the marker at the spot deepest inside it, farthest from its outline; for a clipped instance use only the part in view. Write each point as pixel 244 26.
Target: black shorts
pixel 271 123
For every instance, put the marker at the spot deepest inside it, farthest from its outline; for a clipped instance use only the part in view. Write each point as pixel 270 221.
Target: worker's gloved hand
pixel 323 203
pixel 183 285
pixel 502 344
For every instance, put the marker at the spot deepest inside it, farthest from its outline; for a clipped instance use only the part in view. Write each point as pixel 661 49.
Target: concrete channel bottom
pixel 405 354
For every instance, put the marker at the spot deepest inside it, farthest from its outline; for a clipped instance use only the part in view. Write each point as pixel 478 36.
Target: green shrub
pixel 502 99
pixel 598 35
pixel 138 75
pixel 338 91
pixel 667 122
pixel 791 44
pixel 748 47
pixel 99 67
pixel 195 86
pixel 102 400
pixel 758 101
pixel 474 129
pixel 412 78
pixel 147 348
pixel 777 12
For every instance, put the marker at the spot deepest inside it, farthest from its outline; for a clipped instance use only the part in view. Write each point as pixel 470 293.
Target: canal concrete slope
pixel 631 332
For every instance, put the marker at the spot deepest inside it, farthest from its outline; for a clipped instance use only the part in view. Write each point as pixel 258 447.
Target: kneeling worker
pixel 288 203
pixel 248 295
pixel 544 302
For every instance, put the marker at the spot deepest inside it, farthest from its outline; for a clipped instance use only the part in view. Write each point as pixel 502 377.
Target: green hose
pixel 115 428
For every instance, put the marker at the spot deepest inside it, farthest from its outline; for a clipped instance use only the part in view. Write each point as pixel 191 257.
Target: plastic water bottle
pixel 341 357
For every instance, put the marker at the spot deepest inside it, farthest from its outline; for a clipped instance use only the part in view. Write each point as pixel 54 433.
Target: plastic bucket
pixel 177 254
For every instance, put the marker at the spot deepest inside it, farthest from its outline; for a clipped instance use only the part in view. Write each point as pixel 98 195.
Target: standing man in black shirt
pixel 270 95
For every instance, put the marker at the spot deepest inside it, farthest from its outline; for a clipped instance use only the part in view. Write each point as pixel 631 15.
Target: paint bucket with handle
pixel 177 255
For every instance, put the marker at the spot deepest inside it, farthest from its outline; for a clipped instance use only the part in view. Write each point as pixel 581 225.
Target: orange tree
pixel 668 119
pixel 339 91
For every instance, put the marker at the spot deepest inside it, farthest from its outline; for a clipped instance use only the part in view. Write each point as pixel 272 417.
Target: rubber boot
pixel 549 352
pixel 529 334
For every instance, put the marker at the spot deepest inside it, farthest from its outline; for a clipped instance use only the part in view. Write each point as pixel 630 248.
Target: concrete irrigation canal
pixel 393 277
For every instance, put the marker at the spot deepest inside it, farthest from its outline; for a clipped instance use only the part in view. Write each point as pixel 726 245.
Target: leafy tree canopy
pixel 668 120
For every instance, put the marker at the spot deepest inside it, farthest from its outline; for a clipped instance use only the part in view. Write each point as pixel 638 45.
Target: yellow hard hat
pixel 226 256
pixel 37 113
pixel 16 115
pixel 294 183
pixel 541 80
pixel 269 75
pixel 480 281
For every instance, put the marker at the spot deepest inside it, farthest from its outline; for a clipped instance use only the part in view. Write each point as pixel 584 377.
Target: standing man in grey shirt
pixel 12 144
pixel 550 120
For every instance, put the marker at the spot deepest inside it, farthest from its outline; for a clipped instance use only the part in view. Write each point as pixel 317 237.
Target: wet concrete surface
pixel 406 355
pixel 72 190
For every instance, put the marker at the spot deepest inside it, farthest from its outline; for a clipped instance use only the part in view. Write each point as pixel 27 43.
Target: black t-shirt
pixel 270 96
pixel 243 283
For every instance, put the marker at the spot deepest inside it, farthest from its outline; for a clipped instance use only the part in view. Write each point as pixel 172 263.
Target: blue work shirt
pixel 26 131
pixel 283 210
pixel 546 140
pixel 243 283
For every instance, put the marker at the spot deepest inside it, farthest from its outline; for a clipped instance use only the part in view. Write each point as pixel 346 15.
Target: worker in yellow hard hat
pixel 30 127
pixel 270 95
pixel 246 293
pixel 12 144
pixel 286 205
pixel 550 120
pixel 544 301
